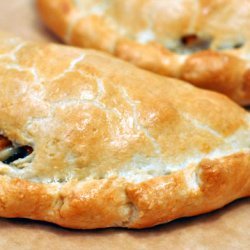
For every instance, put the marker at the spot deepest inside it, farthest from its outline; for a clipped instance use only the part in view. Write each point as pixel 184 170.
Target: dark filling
pixel 235 46
pixel 190 40
pixel 17 152
pixel 194 43
pixel 238 45
pixel 4 142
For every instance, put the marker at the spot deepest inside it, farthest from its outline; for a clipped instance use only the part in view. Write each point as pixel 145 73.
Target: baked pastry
pixel 89 141
pixel 203 42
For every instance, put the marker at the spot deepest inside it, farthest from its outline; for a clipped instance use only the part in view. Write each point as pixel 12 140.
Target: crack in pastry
pixel 89 141
pixel 203 42
pixel 136 123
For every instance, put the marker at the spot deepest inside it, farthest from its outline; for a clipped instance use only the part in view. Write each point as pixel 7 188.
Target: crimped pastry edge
pixel 115 202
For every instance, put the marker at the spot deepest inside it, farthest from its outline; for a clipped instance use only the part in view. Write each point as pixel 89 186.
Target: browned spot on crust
pixel 65 8
pixel 213 70
pixel 246 85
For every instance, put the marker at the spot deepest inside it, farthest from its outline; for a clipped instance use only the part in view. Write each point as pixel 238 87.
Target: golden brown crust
pixel 173 195
pixel 113 145
pixel 111 203
pixel 145 32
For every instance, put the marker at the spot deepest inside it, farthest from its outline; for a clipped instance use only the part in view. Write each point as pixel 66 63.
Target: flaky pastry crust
pixel 113 145
pixel 164 36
